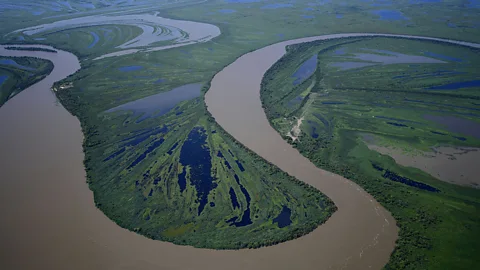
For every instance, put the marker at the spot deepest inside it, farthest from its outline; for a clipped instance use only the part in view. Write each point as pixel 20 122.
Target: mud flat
pixel 456 165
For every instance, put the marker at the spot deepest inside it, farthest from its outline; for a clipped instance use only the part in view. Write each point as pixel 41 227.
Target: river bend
pixel 50 220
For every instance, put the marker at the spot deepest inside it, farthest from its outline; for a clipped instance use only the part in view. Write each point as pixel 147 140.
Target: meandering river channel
pixel 50 220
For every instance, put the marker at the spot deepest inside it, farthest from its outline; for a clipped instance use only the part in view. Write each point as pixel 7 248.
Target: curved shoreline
pixel 197 32
pixel 56 224
pixel 234 101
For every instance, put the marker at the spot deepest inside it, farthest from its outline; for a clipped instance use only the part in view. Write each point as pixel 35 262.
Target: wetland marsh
pixel 385 123
pixel 160 166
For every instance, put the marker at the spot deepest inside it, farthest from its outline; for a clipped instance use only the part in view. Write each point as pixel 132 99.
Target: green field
pixel 349 105
pixel 157 196
pixel 17 73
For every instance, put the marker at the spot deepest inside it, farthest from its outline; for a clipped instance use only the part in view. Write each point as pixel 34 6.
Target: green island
pixel 350 94
pixel 159 165
pixel 18 73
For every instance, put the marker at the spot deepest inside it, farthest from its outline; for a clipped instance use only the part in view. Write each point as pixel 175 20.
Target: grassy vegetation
pixel 91 40
pixel 148 196
pixel 439 222
pixel 150 191
pixel 18 73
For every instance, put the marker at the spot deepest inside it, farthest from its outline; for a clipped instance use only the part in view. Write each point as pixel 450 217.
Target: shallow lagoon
pixel 456 124
pixel 305 70
pixel 160 104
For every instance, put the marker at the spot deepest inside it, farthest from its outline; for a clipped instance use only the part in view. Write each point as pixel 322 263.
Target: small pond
pixel 283 219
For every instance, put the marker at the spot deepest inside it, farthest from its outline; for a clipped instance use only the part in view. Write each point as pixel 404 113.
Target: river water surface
pixel 49 219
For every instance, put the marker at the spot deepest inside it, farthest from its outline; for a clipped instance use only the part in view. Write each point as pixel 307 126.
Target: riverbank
pixel 366 237
pixel 354 101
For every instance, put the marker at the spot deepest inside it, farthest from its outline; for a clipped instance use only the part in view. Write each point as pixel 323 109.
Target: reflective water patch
pixel 160 104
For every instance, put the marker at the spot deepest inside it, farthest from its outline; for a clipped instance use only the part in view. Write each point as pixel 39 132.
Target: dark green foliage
pixel 148 197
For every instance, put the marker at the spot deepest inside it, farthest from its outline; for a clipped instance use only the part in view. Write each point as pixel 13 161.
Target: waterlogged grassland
pixel 276 20
pixel 142 181
pixel 91 40
pixel 161 195
pixel 178 177
pixel 283 20
pixel 17 73
pixel 389 103
pixel 25 13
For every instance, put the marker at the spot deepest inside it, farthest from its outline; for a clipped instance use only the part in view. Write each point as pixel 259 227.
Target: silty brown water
pixel 49 220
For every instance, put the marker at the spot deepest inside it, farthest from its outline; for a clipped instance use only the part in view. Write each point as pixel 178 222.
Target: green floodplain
pixel 173 174
pixel 16 74
pixel 357 92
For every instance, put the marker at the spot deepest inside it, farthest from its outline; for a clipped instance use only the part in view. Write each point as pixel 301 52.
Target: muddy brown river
pixel 49 219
